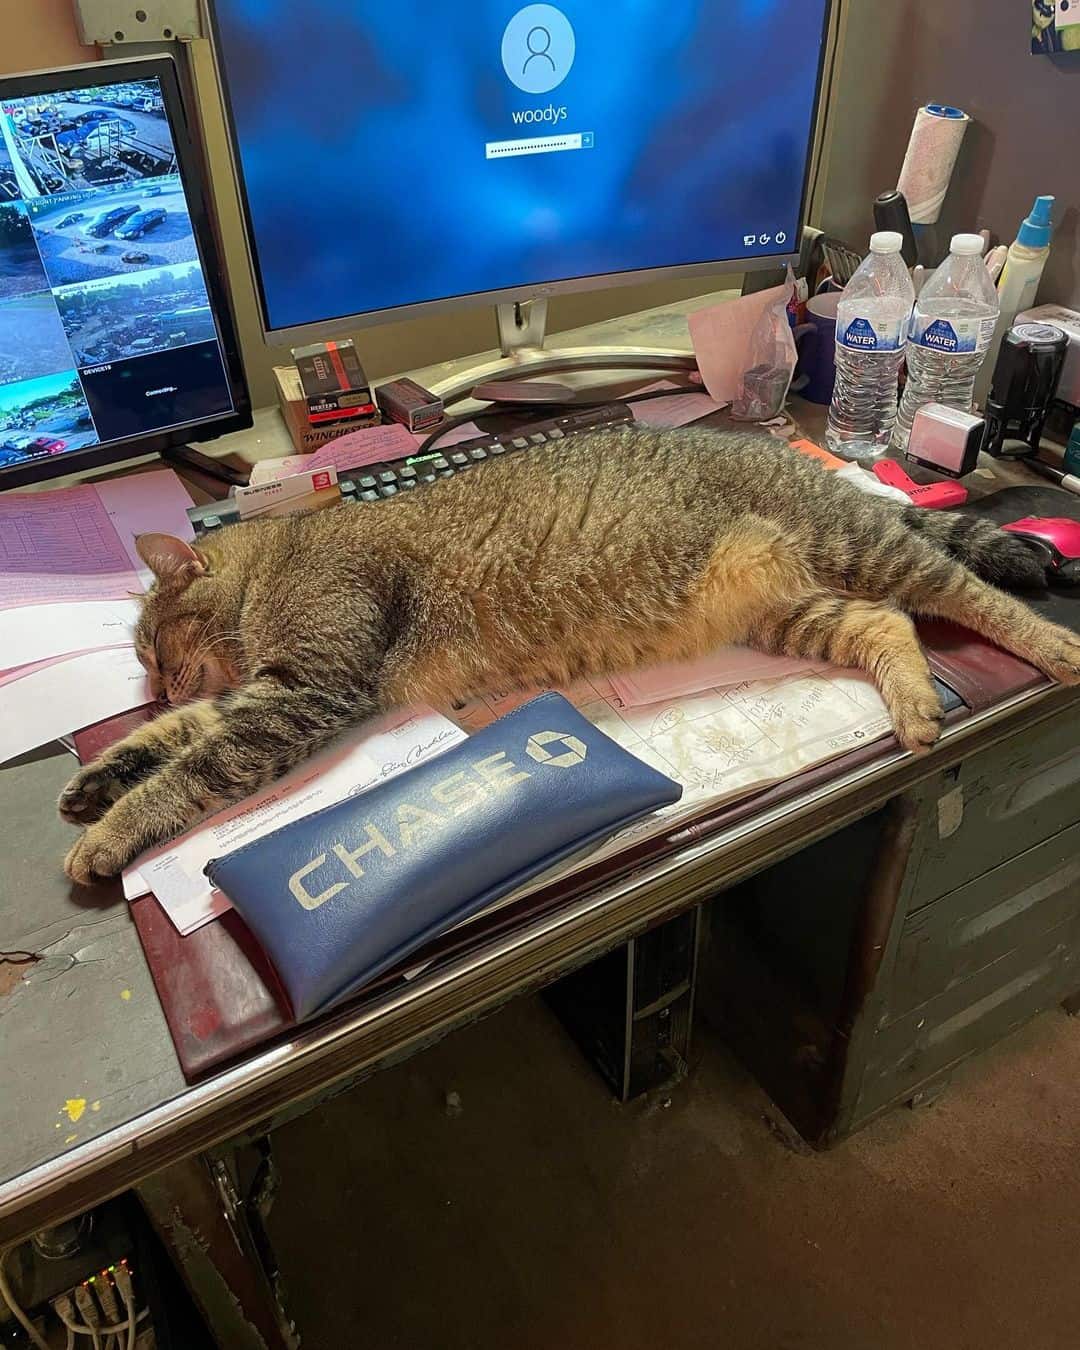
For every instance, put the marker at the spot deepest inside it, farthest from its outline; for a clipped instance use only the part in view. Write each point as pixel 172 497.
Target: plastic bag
pixel 771 358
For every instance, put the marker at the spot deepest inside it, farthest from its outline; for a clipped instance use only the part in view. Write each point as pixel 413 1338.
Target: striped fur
pixel 611 551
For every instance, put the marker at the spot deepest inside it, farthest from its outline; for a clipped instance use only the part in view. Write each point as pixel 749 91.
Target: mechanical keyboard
pixel 377 482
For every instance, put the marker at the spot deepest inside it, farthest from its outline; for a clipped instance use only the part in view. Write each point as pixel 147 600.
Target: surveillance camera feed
pixel 106 327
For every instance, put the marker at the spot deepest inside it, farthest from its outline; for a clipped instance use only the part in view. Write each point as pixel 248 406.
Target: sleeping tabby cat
pixel 616 549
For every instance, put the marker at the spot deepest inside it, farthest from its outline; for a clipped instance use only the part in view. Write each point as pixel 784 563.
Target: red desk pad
pixel 219 993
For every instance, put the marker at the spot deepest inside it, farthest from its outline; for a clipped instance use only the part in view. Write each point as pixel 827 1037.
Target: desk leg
pixel 196 1212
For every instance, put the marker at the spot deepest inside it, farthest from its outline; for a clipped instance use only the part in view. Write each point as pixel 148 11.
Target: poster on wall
pixel 1055 26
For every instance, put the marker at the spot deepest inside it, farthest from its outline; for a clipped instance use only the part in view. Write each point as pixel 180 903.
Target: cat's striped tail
pixel 992 554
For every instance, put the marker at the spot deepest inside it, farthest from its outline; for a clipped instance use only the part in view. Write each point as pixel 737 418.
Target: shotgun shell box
pixel 293 404
pixel 409 403
pixel 334 382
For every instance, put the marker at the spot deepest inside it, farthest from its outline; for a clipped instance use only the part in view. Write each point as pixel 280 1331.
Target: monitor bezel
pixel 347 323
pixel 192 177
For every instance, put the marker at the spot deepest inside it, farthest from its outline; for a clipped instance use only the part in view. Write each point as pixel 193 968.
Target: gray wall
pixel 898 54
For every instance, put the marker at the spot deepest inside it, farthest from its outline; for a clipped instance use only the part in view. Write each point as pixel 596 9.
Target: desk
pixel 93 1099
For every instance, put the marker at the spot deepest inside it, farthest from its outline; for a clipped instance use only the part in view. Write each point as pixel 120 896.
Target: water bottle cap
pixel 967 245
pixel 887 241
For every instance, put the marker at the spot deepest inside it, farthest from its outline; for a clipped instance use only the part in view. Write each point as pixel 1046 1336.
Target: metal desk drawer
pixel 929 1041
pixel 996 805
pixel 982 923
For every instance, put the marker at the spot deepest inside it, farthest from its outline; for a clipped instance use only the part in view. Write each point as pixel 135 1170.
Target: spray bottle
pixel 1019 281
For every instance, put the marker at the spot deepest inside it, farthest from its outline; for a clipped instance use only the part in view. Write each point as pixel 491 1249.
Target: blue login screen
pixel 393 153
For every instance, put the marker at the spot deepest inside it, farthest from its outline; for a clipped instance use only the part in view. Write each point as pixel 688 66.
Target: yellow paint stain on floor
pixel 95 1106
pixel 74 1106
pixel 125 994
pixel 71 1138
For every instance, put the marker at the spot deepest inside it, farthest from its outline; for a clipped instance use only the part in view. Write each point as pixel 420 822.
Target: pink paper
pixel 143 502
pixel 78 543
pixel 729 665
pixel 369 446
pixel 390 441
pixel 60 545
pixel 721 338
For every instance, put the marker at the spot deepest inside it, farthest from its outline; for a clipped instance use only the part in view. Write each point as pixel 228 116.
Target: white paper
pixel 373 754
pixel 718 743
pixel 41 632
pixel 679 410
pixel 66 695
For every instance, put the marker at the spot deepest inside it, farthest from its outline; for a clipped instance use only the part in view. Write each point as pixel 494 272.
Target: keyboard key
pixel 369 495
pixel 388 490
pixel 367 482
pixel 520 443
pixel 389 476
pixel 407 472
pixel 556 434
pixel 439 464
pixel 446 473
pixel 479 453
pixel 407 483
pixel 459 459
pixel 537 437
pixel 498 448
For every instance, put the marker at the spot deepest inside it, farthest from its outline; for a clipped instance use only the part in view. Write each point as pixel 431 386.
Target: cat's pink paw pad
pixel 88 796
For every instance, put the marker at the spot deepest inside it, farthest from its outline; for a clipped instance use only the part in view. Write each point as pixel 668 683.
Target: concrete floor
pixel 538 1213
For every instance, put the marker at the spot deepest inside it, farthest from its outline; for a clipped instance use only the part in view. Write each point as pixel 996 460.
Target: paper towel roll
pixel 930 159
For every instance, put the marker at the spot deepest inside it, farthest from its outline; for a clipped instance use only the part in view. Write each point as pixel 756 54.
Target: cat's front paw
pixel 102 853
pixel 90 794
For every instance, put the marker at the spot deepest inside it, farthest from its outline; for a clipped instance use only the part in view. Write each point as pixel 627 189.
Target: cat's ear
pixel 169 558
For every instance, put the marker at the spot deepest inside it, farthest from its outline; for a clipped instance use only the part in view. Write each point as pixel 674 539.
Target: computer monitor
pixel 116 337
pixel 396 158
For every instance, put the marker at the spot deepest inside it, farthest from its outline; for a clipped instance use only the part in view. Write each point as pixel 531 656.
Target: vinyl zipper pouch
pixel 339 897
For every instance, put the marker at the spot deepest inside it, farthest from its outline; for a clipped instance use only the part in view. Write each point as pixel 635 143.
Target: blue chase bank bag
pixel 339 897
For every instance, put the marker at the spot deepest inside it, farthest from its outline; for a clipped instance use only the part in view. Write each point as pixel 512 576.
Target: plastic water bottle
pixel 871 325
pixel 950 333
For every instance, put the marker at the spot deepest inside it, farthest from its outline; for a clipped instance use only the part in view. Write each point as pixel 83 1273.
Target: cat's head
pixel 186 634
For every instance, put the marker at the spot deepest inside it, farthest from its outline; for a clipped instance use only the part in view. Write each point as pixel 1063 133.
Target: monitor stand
pixel 187 457
pixel 521 326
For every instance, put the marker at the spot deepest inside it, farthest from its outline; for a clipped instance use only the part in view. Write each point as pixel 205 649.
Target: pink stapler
pixel 930 496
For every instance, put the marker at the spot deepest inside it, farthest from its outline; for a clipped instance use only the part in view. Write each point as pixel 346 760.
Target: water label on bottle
pixel 865 336
pixel 952 335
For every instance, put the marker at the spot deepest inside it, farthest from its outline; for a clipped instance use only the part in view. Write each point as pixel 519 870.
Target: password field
pixel 539 145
